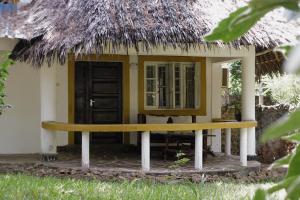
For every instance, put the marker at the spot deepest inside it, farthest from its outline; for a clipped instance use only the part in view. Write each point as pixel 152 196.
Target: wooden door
pixel 98 97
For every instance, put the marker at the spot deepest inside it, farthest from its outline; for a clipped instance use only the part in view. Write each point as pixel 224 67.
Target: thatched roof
pixel 57 27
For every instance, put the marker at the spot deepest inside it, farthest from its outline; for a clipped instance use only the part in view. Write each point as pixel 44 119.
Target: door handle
pixel 92 102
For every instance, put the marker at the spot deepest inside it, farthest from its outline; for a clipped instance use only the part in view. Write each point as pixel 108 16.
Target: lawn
pixel 27 187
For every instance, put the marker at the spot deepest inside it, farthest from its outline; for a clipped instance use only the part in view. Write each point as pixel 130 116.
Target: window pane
pixel 151 85
pixel 177 85
pixel 190 87
pixel 150 71
pixel 150 99
pixel 177 99
pixel 162 85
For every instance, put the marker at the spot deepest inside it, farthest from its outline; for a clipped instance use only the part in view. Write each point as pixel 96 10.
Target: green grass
pixel 27 187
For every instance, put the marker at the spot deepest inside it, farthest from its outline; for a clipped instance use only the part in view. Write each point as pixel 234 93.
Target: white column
pixel 85 150
pixel 198 150
pixel 48 108
pixel 216 104
pixel 248 96
pixel 261 96
pixel 146 151
pixel 228 142
pixel 243 146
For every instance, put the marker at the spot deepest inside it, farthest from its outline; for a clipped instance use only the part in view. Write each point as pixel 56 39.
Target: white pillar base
pixel 85 163
pixel 198 150
pixel 228 142
pixel 146 151
pixel 243 146
pixel 48 142
pixel 251 142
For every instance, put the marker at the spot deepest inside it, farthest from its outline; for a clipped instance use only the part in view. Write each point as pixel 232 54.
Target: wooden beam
pixel 264 52
pixel 60 126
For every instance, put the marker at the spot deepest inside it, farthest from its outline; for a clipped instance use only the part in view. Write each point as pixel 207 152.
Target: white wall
pixel 61 101
pixel 20 126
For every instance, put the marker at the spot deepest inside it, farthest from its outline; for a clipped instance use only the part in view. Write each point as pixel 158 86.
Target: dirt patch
pixel 42 170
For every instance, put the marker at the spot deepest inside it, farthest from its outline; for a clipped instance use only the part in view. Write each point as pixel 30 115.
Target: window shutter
pixel 224 77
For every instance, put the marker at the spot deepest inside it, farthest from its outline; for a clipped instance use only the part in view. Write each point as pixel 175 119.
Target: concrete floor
pixel 126 161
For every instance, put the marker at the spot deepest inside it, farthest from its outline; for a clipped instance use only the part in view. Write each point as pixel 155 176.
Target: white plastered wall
pixel 61 101
pixel 20 126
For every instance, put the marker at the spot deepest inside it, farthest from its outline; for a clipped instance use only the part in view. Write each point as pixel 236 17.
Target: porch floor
pixel 129 160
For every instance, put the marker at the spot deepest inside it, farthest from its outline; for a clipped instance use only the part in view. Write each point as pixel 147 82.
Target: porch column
pixel 146 151
pixel 228 142
pixel 198 150
pixel 248 97
pixel 85 150
pixel 261 96
pixel 48 111
pixel 243 146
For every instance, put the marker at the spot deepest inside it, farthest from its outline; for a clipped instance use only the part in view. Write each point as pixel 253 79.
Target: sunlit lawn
pixel 27 187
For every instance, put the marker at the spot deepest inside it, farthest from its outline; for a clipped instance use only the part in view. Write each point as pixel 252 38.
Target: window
pixel 224 77
pixel 171 85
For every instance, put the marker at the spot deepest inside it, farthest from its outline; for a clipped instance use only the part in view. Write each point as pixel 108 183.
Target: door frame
pixel 124 59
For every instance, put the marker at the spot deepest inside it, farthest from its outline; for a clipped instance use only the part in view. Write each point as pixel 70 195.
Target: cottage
pixel 86 70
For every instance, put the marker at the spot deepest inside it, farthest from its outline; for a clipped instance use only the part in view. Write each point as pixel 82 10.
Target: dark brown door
pixel 98 97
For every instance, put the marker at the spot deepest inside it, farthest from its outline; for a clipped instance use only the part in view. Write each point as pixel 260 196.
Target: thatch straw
pixel 57 27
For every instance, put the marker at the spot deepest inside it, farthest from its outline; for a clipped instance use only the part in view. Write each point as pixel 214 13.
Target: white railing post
pixel 243 147
pixel 85 150
pixel 198 150
pixel 228 142
pixel 146 151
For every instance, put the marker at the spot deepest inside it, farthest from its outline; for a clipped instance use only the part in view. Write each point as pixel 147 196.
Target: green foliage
pixel 181 160
pixel 240 21
pixel 237 24
pixel 4 65
pixel 260 194
pixel 289 94
pixel 235 79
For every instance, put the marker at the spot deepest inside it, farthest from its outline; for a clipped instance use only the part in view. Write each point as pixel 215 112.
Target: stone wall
pixel 273 150
pixel 265 115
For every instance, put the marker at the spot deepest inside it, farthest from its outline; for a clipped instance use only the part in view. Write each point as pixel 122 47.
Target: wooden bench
pixel 184 141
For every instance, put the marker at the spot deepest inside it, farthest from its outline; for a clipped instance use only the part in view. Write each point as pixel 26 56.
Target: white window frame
pixel 171 80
